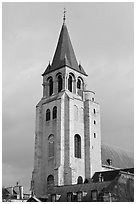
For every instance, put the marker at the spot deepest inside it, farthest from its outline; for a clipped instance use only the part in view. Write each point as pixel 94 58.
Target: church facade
pixel 68 132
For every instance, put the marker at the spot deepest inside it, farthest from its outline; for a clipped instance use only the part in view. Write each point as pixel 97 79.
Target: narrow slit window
pixel 77 146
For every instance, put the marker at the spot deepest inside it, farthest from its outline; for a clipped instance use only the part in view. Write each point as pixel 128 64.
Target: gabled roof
pixel 120 158
pixel 33 199
pixel 64 54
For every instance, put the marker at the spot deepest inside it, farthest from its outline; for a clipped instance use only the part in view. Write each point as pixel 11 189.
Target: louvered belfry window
pixel 77 146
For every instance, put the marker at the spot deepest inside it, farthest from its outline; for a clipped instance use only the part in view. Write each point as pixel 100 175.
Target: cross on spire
pixel 64 17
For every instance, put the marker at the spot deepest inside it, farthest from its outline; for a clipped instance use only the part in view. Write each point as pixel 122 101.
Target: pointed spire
pixel 64 49
pixel 64 54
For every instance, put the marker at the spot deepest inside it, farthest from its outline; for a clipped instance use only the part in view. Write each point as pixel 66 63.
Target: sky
pixel 102 38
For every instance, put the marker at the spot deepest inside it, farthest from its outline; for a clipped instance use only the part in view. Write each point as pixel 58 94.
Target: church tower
pixel 67 135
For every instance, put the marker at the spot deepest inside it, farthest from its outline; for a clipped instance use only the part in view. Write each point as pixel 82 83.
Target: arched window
pixel 50 86
pixel 54 113
pixel 48 115
pixel 79 84
pixel 80 180
pixel 50 180
pixel 77 146
pixel 59 83
pixel 51 146
pixel 70 83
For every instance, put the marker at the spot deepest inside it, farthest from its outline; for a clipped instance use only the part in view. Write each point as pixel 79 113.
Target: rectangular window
pixel 53 198
pixel 94 110
pixel 94 195
pixel 79 196
pixel 94 135
pixel 69 197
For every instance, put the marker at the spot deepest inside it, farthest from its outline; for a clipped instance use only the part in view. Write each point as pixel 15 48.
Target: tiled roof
pixel 120 158
pixel 63 190
pixel 64 54
pixel 110 175
pixel 106 175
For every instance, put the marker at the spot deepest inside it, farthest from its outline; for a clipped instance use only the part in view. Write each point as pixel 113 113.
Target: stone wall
pixel 92 138
pixel 75 115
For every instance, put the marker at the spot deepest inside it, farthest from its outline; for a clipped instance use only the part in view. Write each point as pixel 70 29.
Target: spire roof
pixel 64 54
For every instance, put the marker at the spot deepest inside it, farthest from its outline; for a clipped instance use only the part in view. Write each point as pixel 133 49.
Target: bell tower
pixel 67 135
